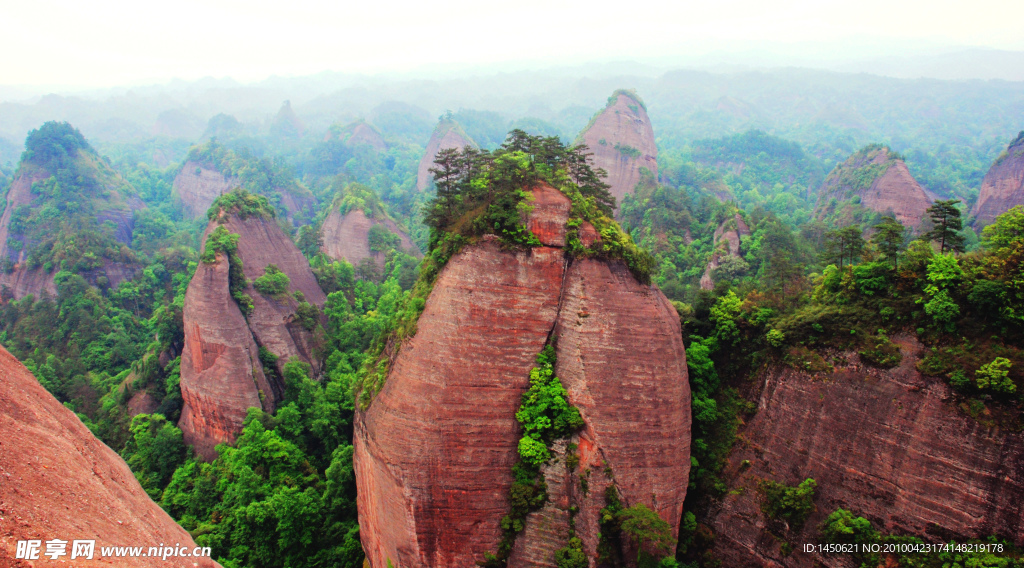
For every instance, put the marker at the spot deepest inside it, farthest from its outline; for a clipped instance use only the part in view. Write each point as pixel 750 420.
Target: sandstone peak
pixel 1003 186
pixel 345 233
pixel 223 361
pixel 622 140
pixel 447 134
pixel 434 449
pixel 59 166
pixel 877 179
pixel 286 123
pixel 358 133
pixel 62 482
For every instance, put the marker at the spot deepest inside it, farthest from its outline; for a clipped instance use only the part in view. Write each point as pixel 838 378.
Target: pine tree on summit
pixel 945 217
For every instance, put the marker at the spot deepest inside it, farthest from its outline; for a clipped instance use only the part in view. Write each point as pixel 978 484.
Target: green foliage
pixel 946 226
pixel 54 146
pixel 154 451
pixel 881 352
pixel 725 314
pixel 792 504
pixel 273 282
pixel 775 338
pixel 995 376
pixel 1007 231
pixel 841 527
pixel 544 413
pixel 241 204
pixel 645 529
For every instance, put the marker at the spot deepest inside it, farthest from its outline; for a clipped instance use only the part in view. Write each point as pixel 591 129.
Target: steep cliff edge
pixel 62 177
pixel 875 179
pixel 222 374
pixel 1003 186
pixel 197 187
pixel 211 170
pixel 447 134
pixel 622 140
pixel 347 236
pixel 434 450
pixel 60 482
pixel 888 445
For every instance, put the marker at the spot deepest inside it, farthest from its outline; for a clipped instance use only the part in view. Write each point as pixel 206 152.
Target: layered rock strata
pixel 347 237
pixel 881 182
pixel 197 187
pixel 435 448
pixel 1003 186
pixel 622 140
pixel 889 445
pixel 60 482
pixel 447 134
pixel 221 372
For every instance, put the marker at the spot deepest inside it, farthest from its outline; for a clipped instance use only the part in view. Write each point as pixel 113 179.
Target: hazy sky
pixel 111 42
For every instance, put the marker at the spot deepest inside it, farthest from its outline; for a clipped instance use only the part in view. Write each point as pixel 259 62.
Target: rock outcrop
pixel 347 237
pixel 60 482
pixel 435 448
pixel 222 375
pixel 1003 186
pixel 197 186
pixel 104 201
pixel 358 133
pixel 878 180
pixel 727 243
pixel 447 134
pixel 622 140
pixel 888 445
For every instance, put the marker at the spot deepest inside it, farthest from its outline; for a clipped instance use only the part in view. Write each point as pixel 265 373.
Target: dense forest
pixel 799 289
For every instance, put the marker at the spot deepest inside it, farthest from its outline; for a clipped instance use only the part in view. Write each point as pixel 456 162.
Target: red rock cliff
pixel 197 187
pixel 434 450
pixel 622 140
pixel 347 236
pixel 60 482
pixel 890 189
pixel 1003 186
pixel 447 134
pixel 888 445
pixel 221 374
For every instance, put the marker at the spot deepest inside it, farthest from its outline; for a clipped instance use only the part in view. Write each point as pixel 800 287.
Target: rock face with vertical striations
pixel 622 140
pixel 435 448
pixel 221 372
pixel 59 481
pixel 1003 186
pixel 347 236
pixel 876 179
pixel 447 134
pixel 197 186
pixel 888 445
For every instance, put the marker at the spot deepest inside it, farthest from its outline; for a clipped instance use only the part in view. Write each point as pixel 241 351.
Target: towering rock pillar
pixel 622 140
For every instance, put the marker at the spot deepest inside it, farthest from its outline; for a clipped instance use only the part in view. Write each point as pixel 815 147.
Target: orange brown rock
pixel 347 237
pixel 622 140
pixel 434 450
pixel 888 445
pixel 57 481
pixel 893 191
pixel 447 134
pixel 1003 186
pixel 221 373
